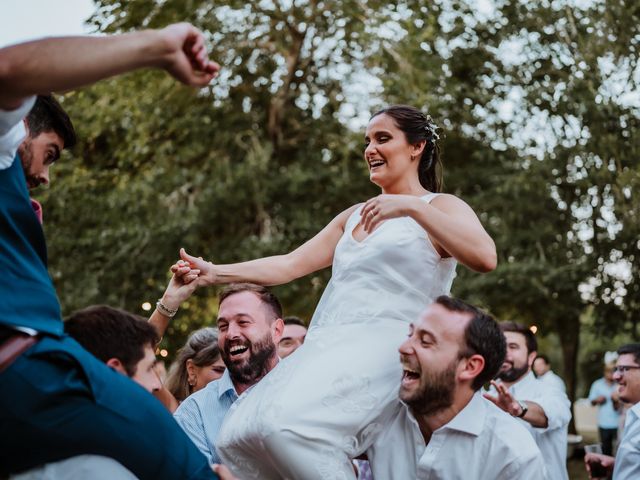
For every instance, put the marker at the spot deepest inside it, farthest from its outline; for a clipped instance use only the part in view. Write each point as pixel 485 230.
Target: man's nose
pixel 44 176
pixel 233 331
pixel 157 383
pixel 405 347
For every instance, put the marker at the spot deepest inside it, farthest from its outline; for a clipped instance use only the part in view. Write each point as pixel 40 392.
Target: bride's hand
pixel 206 270
pixel 181 286
pixel 386 206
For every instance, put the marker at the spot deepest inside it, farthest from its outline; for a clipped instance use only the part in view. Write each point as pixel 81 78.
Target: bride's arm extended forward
pixel 311 256
pixel 450 223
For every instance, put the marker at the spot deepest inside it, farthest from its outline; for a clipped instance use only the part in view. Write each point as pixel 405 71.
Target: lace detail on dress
pixel 351 395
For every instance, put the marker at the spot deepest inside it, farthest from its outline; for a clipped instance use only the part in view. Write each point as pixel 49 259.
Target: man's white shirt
pixel 551 440
pixel 12 131
pixel 553 380
pixel 480 442
pixel 627 466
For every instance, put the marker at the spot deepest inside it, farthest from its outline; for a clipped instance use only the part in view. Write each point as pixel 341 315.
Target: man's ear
pixel 116 364
pixel 26 127
pixel 473 366
pixel 277 330
pixel 531 358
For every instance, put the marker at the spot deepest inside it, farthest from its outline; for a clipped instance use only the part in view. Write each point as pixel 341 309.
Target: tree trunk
pixel 568 329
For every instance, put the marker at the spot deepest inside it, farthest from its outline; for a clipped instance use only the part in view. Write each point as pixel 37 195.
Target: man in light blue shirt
pixel 250 326
pixel 626 464
pixel 603 393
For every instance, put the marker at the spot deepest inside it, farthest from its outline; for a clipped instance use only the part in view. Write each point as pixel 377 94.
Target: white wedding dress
pixel 323 405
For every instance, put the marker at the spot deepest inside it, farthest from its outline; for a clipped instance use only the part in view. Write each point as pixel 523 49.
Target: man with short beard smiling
pixel 250 326
pixel 544 410
pixel 445 429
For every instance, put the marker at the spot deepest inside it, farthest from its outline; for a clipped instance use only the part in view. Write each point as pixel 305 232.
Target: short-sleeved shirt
pixel 608 417
pixel 201 414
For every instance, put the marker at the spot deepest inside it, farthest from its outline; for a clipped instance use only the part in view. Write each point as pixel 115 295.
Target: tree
pixel 553 180
pixel 254 165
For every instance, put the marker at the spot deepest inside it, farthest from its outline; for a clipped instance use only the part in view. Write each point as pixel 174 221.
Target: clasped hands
pixel 193 271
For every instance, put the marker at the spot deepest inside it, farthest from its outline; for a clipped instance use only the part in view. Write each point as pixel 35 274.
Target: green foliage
pixel 253 166
pixel 536 101
pixel 553 181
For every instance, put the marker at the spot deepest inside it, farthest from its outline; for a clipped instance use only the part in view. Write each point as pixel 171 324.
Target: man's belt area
pixel 14 343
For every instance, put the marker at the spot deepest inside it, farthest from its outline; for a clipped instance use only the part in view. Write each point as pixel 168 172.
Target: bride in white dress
pixel 391 256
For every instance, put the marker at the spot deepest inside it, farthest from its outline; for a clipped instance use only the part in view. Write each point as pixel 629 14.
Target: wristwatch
pixel 524 408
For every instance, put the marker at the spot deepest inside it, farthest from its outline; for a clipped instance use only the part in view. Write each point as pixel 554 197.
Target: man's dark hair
pixel 293 320
pixel 47 115
pixel 263 293
pixel 543 357
pixel 631 348
pixel 482 336
pixel 530 338
pixel 108 332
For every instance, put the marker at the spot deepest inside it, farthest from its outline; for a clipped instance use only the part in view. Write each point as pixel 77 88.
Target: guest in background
pixel 197 363
pixel 626 464
pixel 604 394
pixel 293 336
pixel 545 411
pixel 542 370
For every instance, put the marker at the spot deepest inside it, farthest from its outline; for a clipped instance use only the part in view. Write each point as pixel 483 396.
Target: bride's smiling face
pixel 388 154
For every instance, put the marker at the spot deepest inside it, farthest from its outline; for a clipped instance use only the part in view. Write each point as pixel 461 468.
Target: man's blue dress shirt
pixel 201 414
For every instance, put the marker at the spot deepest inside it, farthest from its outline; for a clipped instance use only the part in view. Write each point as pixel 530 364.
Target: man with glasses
pixel 626 464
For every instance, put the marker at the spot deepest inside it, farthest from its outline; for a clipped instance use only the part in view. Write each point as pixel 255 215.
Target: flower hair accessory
pixel 431 128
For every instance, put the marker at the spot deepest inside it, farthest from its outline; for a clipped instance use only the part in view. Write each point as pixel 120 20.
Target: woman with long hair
pixel 391 256
pixel 198 362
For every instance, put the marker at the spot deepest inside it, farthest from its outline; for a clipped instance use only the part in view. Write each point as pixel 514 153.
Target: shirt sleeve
pixel 627 464
pixel 189 417
pixel 531 468
pixel 556 406
pixel 593 391
pixel 12 132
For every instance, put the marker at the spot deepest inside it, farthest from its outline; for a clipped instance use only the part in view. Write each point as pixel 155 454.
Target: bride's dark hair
pixel 417 127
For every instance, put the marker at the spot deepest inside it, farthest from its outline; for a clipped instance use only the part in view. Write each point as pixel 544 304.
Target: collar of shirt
pixel 225 385
pixel 632 415
pixel 523 383
pixel 470 419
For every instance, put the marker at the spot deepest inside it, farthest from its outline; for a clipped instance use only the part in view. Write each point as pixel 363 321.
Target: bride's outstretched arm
pixel 313 255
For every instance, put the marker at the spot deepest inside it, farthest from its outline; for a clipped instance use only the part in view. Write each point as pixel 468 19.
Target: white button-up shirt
pixel 481 442
pixel 553 380
pixel 551 440
pixel 12 132
pixel 627 466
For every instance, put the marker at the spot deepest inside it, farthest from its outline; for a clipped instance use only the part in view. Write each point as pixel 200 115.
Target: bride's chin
pixel 376 180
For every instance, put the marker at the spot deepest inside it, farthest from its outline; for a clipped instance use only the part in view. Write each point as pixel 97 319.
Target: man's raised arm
pixel 58 64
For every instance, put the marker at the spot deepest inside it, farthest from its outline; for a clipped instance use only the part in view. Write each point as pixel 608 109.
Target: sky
pixel 22 20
